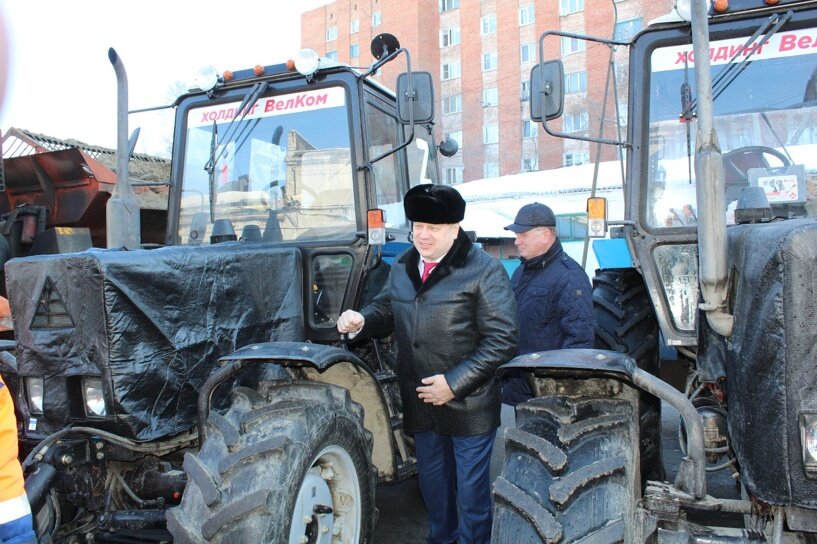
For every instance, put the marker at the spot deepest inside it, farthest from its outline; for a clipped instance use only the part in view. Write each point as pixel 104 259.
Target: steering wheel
pixel 736 163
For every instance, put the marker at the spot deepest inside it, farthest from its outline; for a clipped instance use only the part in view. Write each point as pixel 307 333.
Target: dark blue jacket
pixel 554 301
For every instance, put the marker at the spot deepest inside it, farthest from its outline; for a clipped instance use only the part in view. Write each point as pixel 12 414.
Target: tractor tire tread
pixel 548 529
pixel 206 481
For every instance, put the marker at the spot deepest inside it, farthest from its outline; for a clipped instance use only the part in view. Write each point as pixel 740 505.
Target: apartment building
pixel 480 53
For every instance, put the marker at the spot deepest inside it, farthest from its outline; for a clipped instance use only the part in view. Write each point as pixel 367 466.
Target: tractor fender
pixel 319 356
pixel 576 363
pixel 597 363
pixel 320 363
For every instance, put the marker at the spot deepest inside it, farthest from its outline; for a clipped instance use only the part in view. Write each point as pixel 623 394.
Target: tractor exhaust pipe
pixel 709 173
pixel 122 210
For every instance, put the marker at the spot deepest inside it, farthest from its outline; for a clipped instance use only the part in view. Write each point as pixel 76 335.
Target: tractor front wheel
pixel 290 462
pixel 570 472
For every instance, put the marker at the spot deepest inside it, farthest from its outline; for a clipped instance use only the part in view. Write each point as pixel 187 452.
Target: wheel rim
pixel 328 506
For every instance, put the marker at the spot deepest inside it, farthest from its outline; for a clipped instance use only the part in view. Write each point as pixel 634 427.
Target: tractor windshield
pixel 765 115
pixel 280 169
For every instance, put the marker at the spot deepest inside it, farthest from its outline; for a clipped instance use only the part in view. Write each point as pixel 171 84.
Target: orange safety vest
pixel 13 501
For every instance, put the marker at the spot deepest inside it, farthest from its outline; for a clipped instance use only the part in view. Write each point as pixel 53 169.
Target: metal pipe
pixel 122 210
pixel 710 186
pixel 691 476
pixel 38 484
pixel 777 525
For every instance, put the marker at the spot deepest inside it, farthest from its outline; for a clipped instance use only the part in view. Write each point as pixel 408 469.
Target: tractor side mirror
pixel 415 101
pixel 547 93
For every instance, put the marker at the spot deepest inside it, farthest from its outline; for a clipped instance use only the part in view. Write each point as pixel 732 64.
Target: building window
pixel 576 82
pixel 457 137
pixel 566 7
pixel 490 133
pixel 572 45
pixel 490 97
pixel 354 26
pixel 452 104
pixel 529 129
pixel 526 15
pixel 626 30
pixel 331 33
pixel 575 122
pixel 450 36
pixel 488 24
pixel 525 91
pixel 354 50
pixel 530 164
pixel 377 18
pixel 489 61
pixel 451 70
pixel 527 52
pixel 575 158
pixel 447 5
pixel 332 55
pixel 490 170
pixel 453 175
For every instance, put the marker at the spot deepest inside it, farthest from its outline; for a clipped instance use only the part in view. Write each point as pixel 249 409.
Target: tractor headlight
pixel 684 9
pixel 34 392
pixel 207 78
pixel 307 62
pixel 94 398
pixel 808 439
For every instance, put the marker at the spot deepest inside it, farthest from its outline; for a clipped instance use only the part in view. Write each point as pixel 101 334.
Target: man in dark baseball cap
pixel 553 294
pixel 532 215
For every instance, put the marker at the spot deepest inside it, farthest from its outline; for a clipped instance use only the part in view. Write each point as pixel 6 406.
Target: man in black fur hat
pixel 453 313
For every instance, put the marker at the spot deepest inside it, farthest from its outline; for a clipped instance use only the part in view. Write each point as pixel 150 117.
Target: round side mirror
pixel 448 147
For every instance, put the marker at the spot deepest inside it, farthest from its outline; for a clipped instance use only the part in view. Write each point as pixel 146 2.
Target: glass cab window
pixel 384 133
pixel 279 171
pixel 765 119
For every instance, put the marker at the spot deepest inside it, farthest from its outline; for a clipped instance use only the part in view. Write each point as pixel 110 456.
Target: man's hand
pixel 350 321
pixel 435 391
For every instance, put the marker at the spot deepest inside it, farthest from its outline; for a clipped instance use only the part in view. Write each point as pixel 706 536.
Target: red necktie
pixel 427 268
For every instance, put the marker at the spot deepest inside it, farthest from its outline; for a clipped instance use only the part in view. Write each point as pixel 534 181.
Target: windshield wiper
pixel 732 70
pixel 210 167
pixel 240 114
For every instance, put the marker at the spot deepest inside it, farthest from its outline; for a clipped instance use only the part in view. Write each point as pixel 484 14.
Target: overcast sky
pixel 62 84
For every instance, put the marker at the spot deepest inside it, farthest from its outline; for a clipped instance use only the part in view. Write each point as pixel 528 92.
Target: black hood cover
pixel 151 323
pixel 771 358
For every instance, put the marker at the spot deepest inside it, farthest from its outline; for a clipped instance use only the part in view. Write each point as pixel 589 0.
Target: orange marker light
pixel 376 220
pixel 228 75
pixel 772 2
pixel 720 6
pixel 259 70
pixel 290 65
pixel 596 217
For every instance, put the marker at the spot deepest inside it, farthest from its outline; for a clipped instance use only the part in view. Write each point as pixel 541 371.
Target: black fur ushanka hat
pixel 435 204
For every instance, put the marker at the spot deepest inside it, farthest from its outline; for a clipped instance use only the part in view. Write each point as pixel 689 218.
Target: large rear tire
pixel 570 472
pixel 625 322
pixel 290 462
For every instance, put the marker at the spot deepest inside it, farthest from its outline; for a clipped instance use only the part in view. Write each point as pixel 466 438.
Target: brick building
pixel 480 54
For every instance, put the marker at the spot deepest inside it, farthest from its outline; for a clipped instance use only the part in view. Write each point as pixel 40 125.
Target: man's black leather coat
pixel 461 323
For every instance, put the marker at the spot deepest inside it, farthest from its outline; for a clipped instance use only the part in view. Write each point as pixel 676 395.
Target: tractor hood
pixel 150 323
pixel 771 358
